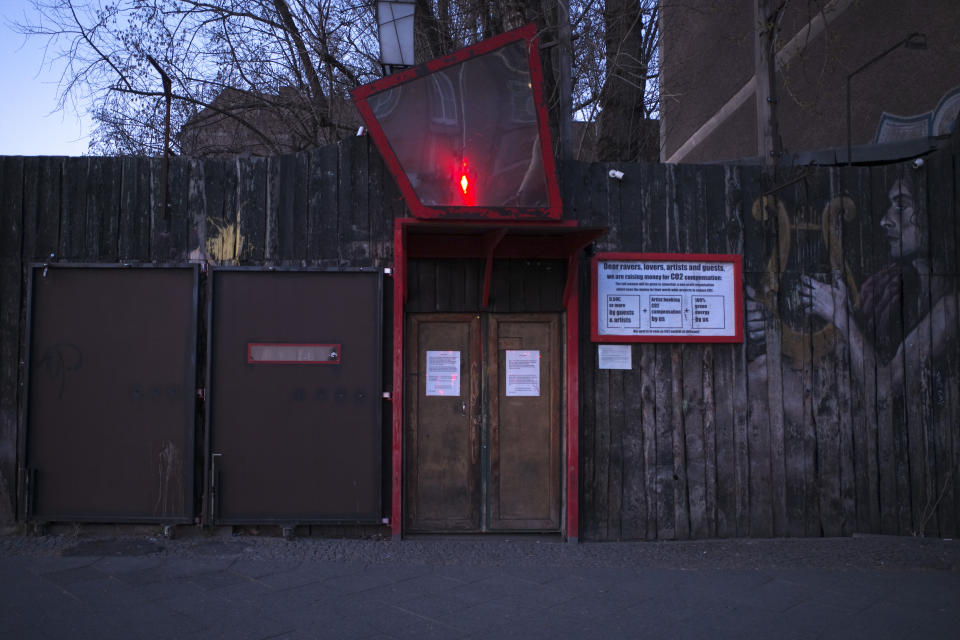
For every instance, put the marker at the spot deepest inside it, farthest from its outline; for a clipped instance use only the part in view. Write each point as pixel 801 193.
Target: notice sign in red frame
pixel 666 297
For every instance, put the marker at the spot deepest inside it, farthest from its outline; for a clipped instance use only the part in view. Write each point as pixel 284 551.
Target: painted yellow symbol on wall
pixel 225 242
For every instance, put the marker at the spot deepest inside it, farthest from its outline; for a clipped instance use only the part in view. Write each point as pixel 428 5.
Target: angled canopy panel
pixel 466 135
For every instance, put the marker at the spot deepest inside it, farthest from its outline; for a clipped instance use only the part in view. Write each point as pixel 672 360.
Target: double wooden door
pixel 484 397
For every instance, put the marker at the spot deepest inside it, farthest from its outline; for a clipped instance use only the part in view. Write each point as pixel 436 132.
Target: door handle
pixel 463 408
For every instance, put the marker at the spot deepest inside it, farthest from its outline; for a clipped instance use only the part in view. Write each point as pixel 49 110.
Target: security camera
pixel 616 175
pixel 917 163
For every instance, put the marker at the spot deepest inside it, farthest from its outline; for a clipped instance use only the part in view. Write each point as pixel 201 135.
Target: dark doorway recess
pixel 111 398
pixel 295 396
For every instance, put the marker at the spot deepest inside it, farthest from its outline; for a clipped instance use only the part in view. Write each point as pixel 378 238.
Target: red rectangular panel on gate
pixel 666 297
pixel 288 353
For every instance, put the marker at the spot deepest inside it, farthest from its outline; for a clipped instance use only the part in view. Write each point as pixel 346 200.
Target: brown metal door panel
pixel 111 399
pixel 525 458
pixel 443 434
pixel 296 437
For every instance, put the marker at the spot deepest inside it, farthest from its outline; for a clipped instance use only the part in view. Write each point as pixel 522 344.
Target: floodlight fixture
pixel 395 30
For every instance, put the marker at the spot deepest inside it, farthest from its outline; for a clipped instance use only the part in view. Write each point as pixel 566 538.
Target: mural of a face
pixel 900 223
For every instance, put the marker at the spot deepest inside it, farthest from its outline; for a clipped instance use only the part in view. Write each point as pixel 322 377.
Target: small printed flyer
pixel 443 373
pixel 523 372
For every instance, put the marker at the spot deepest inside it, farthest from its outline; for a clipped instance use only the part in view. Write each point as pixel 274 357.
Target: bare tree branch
pixel 297 60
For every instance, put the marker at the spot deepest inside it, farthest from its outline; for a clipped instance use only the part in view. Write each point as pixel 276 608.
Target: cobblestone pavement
pixel 221 586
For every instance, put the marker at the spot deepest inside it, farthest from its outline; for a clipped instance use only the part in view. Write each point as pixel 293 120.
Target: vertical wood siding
pixel 793 434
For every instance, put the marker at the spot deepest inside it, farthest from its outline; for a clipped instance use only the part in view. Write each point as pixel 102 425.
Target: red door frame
pixel 489 241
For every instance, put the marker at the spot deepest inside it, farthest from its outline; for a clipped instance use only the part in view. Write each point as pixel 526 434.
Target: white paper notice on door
pixel 443 373
pixel 523 372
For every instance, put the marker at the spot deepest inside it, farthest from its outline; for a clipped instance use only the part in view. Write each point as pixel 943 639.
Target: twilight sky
pixel 30 125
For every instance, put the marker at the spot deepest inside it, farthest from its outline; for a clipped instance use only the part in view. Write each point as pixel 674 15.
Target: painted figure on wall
pixel 896 333
pixel 902 306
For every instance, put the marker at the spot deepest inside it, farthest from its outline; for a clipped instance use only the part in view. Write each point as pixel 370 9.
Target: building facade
pixel 710 64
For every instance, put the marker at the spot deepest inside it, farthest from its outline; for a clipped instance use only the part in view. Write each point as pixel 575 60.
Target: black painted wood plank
pixel 667 477
pixel 73 223
pixel 292 224
pixel 134 224
pixel 648 418
pixel 355 219
pixel 826 366
pixel 588 401
pixel 107 174
pixel 447 285
pixel 11 238
pixel 633 510
pixel 380 214
pixel 859 439
pixel 251 209
pixel 599 488
pixel 846 412
pixel 207 232
pixel 692 359
pixel 42 198
pixel 615 459
pixel 650 214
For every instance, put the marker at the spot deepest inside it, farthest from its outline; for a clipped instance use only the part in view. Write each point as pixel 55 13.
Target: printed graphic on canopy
pixel 466 135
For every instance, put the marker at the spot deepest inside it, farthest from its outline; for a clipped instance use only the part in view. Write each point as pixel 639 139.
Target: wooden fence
pixel 811 427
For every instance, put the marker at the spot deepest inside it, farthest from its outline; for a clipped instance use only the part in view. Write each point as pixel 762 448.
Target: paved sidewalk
pixel 257 587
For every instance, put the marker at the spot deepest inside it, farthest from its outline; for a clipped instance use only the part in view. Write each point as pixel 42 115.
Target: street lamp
pixel 913 41
pixel 395 27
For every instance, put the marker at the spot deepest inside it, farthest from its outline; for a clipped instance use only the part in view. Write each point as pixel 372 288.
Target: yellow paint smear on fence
pixel 224 241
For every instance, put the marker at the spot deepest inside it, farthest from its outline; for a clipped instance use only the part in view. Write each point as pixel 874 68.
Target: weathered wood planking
pixel 844 380
pixel 652 195
pixel 944 224
pixel 764 399
pixel 858 252
pixel 695 441
pixel 810 463
pixel 11 234
pixel 134 210
pixel 73 223
pixel 251 210
pixel 634 514
pixel 293 216
pixel 325 215
pixel 730 379
pixel 942 441
pixel 824 508
pixel 715 231
pixel 693 227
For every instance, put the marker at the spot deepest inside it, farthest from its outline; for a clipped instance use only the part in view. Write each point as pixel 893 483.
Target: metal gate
pixel 294 409
pixel 111 394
